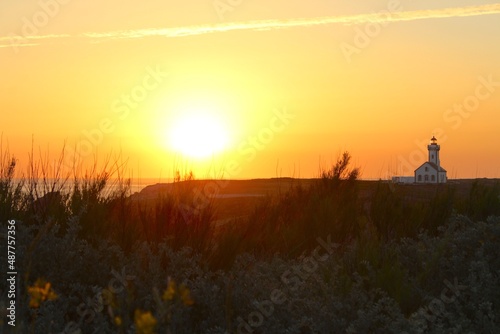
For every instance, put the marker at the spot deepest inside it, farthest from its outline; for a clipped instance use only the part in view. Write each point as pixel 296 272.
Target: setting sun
pixel 198 135
pixel 230 166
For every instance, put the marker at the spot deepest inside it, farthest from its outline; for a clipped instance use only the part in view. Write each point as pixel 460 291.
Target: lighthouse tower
pixel 434 148
pixel 431 170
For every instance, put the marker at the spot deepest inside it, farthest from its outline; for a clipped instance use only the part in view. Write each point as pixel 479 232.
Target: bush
pixel 308 261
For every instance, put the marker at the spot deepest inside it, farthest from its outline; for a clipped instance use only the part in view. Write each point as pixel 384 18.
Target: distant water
pixel 136 185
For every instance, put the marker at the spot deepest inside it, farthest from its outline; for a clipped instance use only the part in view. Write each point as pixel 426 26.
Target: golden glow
pixel 177 88
pixel 198 134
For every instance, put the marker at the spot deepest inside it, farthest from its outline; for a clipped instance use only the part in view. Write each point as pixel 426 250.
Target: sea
pixel 46 185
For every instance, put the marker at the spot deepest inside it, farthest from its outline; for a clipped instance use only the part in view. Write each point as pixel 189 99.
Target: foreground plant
pixel 145 322
pixel 40 292
pixel 181 293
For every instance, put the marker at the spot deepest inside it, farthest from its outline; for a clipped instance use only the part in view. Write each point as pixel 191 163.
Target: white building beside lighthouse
pixel 431 171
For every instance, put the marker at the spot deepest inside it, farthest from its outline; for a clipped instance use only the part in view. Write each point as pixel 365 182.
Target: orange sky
pixel 291 84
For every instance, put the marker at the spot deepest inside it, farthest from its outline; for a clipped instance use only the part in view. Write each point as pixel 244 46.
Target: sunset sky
pixel 253 88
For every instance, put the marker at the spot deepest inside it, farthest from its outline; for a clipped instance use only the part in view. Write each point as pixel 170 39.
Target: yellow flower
pixel 145 322
pixel 41 291
pixel 169 293
pixel 185 295
pixel 118 321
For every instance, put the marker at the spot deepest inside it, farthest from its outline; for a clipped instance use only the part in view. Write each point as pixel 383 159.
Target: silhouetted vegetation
pixel 393 248
pixel 482 201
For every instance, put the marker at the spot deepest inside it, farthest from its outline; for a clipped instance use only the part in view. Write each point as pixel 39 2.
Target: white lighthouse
pixel 431 171
pixel 434 148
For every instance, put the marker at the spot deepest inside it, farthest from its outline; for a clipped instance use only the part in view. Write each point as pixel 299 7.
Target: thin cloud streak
pixel 380 17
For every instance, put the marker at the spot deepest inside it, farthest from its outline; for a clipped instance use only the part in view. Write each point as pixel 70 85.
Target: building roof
pixel 433 165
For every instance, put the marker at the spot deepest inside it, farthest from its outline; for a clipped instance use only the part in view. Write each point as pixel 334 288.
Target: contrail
pixel 381 17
